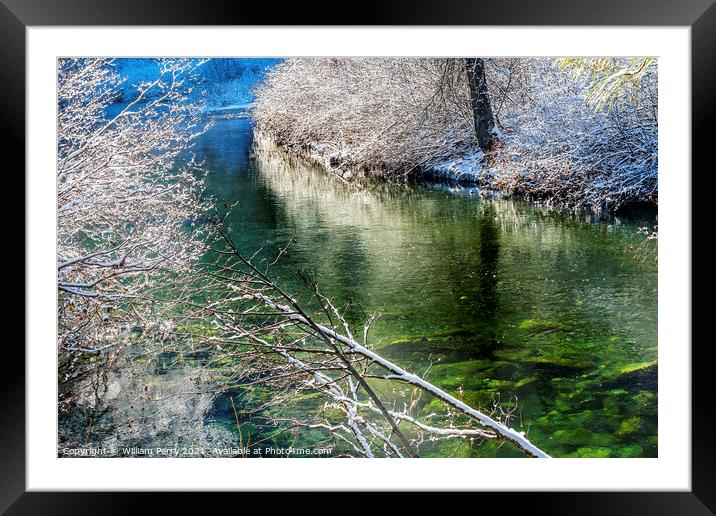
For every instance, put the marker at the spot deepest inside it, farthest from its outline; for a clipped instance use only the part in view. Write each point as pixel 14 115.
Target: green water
pixel 502 297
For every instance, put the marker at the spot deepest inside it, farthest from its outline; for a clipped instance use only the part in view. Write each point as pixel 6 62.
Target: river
pixel 549 311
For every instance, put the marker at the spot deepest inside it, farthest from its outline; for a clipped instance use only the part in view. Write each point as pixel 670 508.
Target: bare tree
pixel 124 210
pixel 480 102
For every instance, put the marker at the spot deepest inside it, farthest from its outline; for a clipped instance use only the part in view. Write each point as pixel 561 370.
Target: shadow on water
pixel 494 296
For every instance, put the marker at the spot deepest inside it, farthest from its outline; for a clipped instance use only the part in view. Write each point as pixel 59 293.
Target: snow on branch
pixel 124 207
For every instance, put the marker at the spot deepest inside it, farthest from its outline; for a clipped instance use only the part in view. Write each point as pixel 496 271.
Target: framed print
pixel 456 241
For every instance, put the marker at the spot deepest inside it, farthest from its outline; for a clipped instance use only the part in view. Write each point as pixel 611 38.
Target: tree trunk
pixel 480 99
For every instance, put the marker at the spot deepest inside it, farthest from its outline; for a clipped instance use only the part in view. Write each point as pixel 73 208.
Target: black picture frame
pixel 17 15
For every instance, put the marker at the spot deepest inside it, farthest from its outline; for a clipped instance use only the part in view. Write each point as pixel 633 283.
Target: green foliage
pixel 610 79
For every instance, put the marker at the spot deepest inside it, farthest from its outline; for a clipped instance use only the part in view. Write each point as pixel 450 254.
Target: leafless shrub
pixel 648 247
pixel 563 148
pixel 385 115
pixel 395 117
pixel 131 404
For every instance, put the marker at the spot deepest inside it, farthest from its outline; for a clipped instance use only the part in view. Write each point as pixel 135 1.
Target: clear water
pixel 502 297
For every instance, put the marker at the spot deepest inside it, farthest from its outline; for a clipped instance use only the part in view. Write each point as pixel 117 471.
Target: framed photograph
pixel 461 235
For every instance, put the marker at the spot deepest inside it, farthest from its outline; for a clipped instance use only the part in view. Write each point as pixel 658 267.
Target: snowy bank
pixel 465 169
pixel 408 118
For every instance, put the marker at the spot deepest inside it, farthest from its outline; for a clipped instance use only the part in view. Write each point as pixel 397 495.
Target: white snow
pixel 465 168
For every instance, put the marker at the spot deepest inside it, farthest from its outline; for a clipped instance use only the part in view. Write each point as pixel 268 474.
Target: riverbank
pixel 467 173
pixel 410 119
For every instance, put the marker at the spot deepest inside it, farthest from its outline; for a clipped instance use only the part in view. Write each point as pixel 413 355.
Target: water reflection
pixel 500 296
pixel 487 271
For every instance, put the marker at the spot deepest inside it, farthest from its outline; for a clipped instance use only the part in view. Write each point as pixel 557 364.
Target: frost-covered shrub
pixel 406 116
pixel 562 147
pixel 132 403
pixel 230 82
pixel 123 205
pixel 134 71
pixel 364 114
pixel 216 83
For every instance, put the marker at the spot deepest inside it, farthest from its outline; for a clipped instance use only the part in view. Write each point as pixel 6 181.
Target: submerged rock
pixel 562 364
pixel 633 450
pixel 525 381
pixel 592 453
pixel 629 426
pixel 456 346
pixel 642 366
pixel 542 326
pixel 643 375
pixel 584 438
